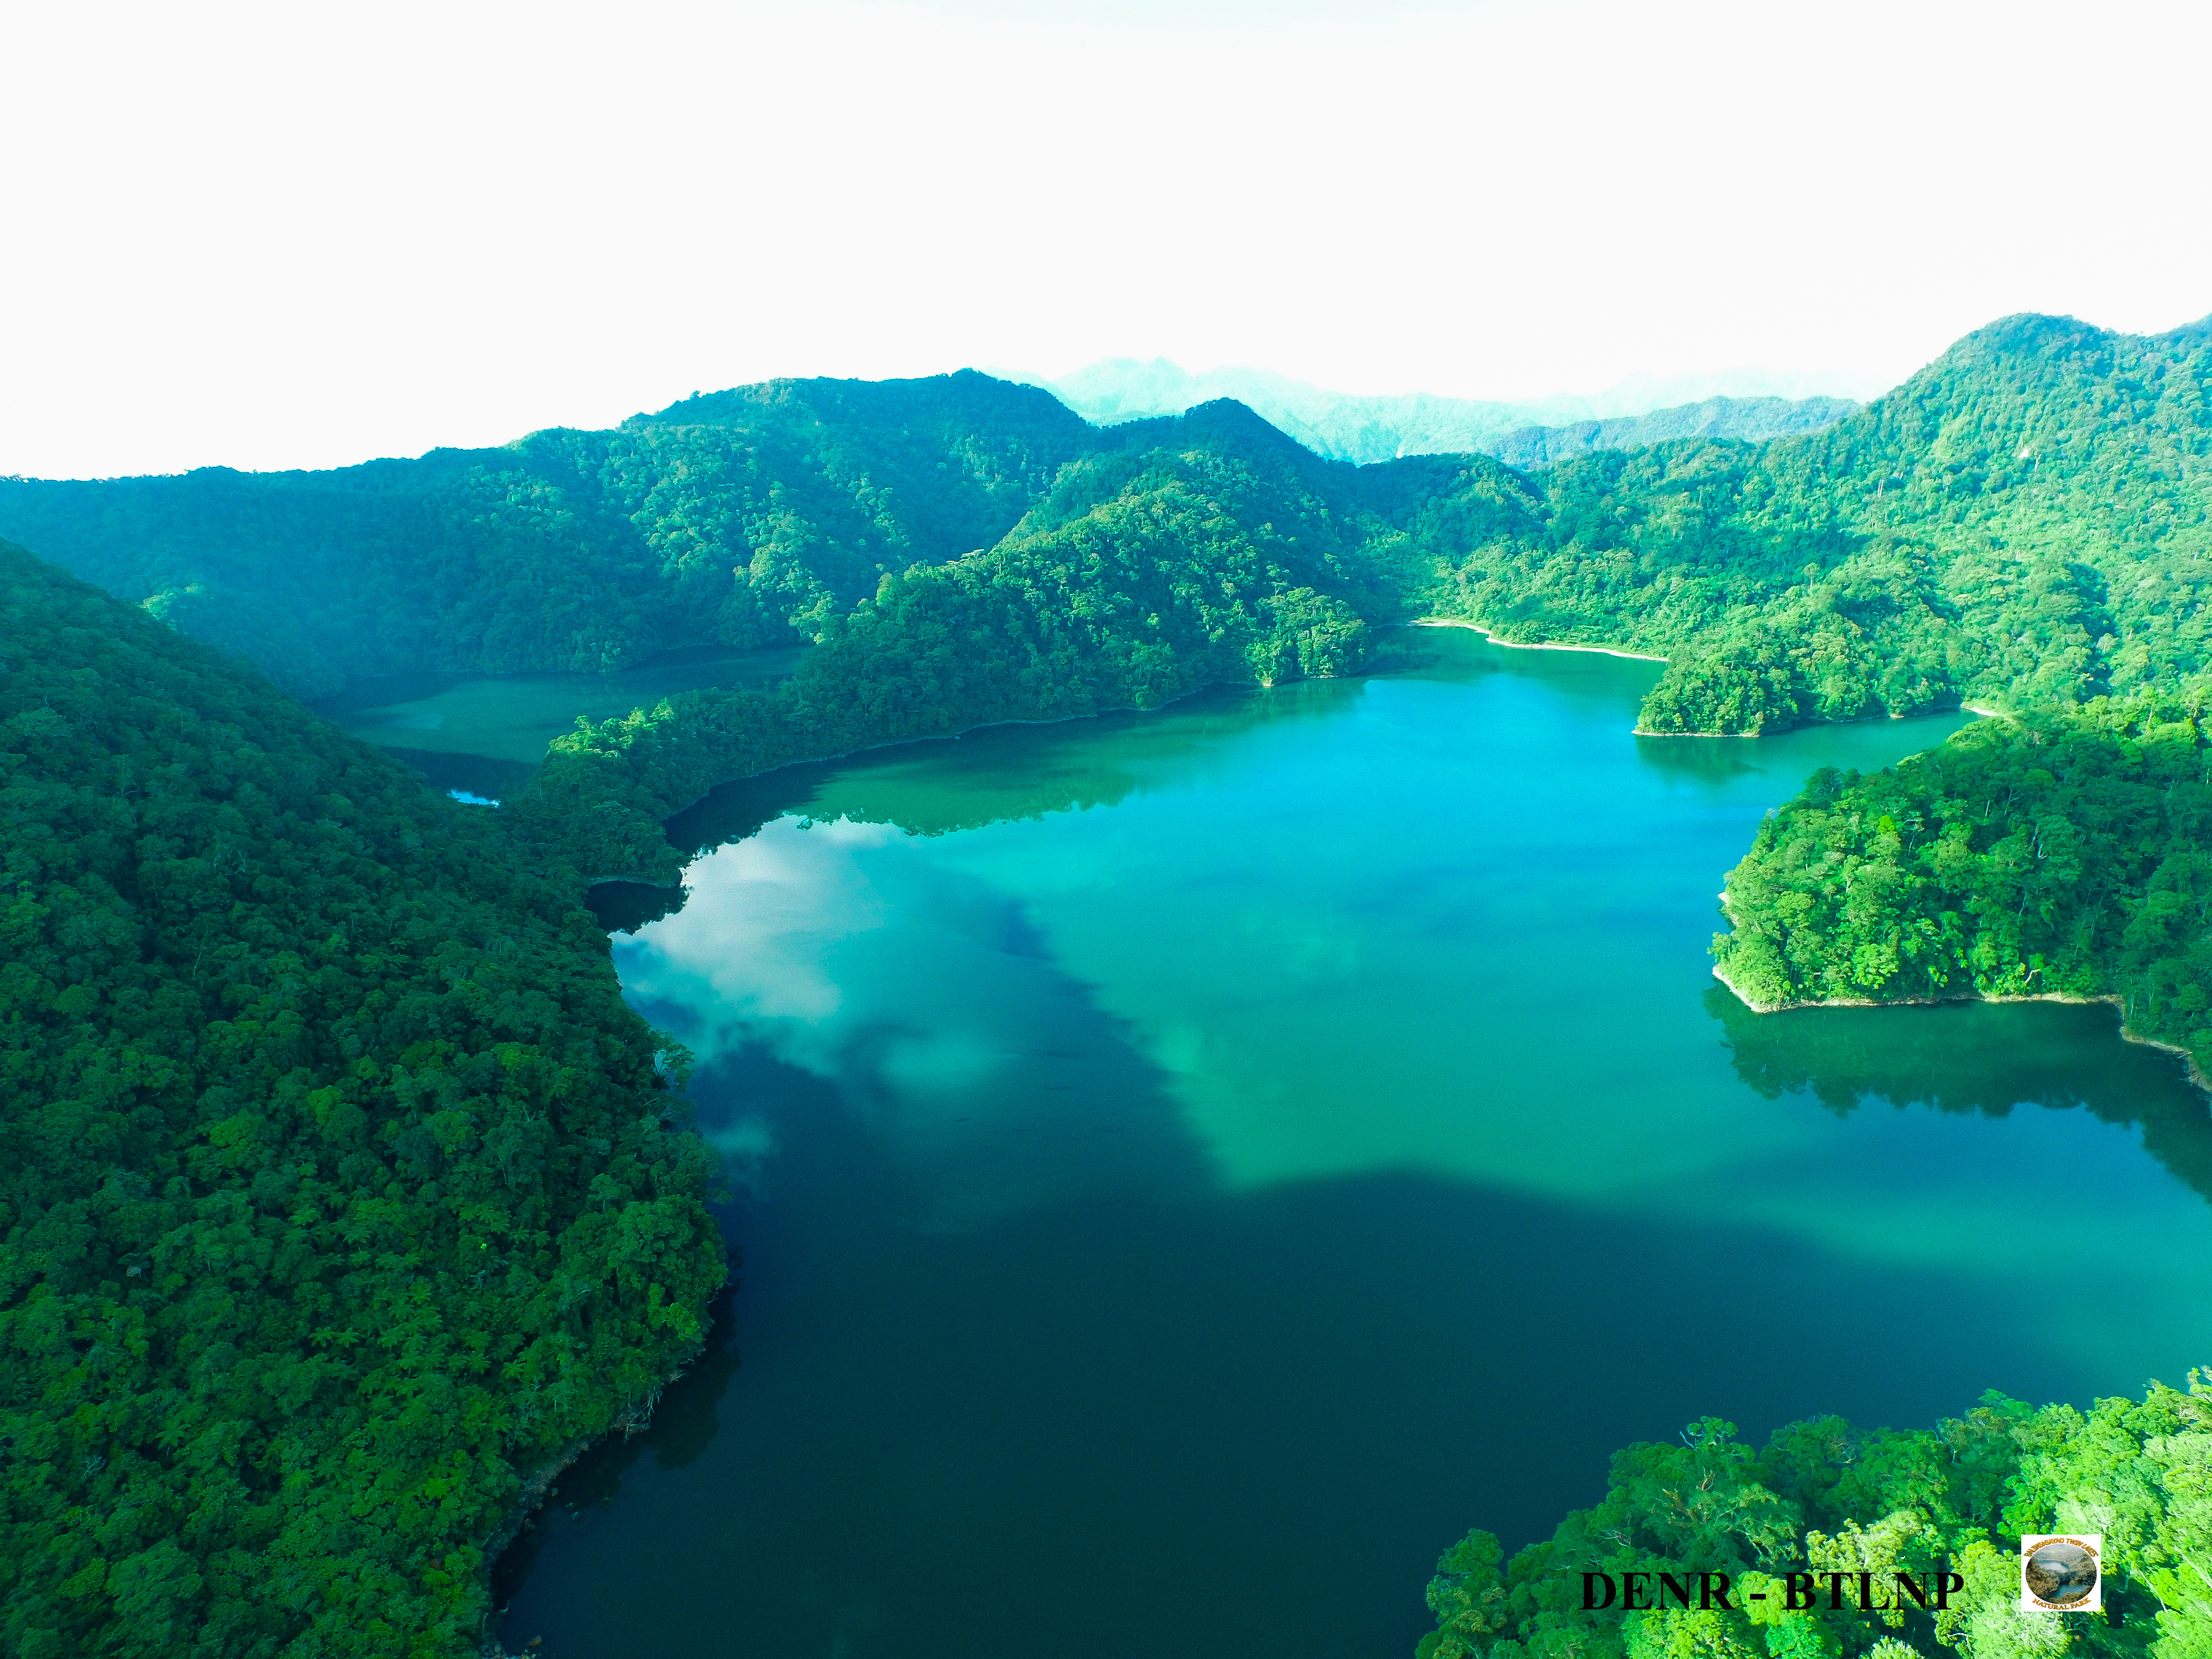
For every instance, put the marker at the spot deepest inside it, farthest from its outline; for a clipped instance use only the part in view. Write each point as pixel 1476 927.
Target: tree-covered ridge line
pixel 1747 420
pixel 727 518
pixel 1745 569
pixel 2065 854
pixel 339 1190
pixel 1824 1496
pixel 2026 523
pixel 1205 548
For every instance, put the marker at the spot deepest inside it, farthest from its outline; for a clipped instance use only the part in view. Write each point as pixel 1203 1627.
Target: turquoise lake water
pixel 1191 1167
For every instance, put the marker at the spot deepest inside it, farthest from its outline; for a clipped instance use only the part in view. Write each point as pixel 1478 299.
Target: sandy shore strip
pixel 1529 644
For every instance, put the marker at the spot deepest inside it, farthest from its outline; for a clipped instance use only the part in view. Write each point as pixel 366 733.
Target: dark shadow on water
pixel 1700 760
pixel 623 907
pixel 377 691
pixel 1216 1423
pixel 730 812
pixel 1985 1057
pixel 1865 745
pixel 1404 650
pixel 1023 1376
pixel 1461 655
pixel 997 773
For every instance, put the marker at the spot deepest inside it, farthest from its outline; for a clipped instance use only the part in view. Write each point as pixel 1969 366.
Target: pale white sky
pixel 302 234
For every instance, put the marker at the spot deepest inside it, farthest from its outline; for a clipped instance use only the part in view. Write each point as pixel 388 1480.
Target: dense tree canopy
pixel 1206 548
pixel 2056 855
pixel 340 1190
pixel 721 519
pixel 1825 1498
pixel 2026 522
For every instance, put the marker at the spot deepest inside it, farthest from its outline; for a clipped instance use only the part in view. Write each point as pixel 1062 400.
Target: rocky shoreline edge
pixel 537 1487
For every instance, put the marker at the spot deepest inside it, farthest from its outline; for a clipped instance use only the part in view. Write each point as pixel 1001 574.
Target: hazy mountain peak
pixel 1745 404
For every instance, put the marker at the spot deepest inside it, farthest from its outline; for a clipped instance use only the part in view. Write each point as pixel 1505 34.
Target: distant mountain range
pixel 1746 404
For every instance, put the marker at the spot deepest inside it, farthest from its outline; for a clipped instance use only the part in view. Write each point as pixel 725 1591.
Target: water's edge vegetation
pixel 342 1189
pixel 2059 855
pixel 1826 1498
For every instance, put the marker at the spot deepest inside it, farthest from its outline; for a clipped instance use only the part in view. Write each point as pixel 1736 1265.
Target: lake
pixel 1191 1167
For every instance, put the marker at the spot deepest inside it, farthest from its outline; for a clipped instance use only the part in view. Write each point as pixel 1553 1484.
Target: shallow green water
pixel 1192 1167
pixel 485 733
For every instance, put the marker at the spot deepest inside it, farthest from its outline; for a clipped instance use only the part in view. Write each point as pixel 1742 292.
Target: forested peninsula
pixel 342 1191
pixel 2059 854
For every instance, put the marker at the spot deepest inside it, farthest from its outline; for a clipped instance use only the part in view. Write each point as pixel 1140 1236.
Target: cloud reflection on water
pixel 989 1074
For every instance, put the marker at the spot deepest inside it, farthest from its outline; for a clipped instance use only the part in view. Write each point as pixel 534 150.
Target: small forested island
pixel 341 1197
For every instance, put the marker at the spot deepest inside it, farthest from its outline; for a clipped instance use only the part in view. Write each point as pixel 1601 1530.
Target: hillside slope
pixel 1190 550
pixel 1822 1495
pixel 2025 522
pixel 721 519
pixel 338 1190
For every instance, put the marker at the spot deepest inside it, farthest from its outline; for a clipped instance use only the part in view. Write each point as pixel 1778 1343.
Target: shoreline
pixel 1975 709
pixel 1531 645
pixel 2188 1059
pixel 689 859
pixel 537 1487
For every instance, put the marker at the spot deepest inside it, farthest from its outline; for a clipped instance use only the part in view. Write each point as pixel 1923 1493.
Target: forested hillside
pixel 722 519
pixel 2024 523
pixel 340 1190
pixel 1204 548
pixel 1825 1497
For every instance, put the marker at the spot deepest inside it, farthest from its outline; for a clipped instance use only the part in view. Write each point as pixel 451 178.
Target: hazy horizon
pixel 270 237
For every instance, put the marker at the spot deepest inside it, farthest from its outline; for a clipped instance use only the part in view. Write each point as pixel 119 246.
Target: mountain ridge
pixel 1366 428
pixel 1994 528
